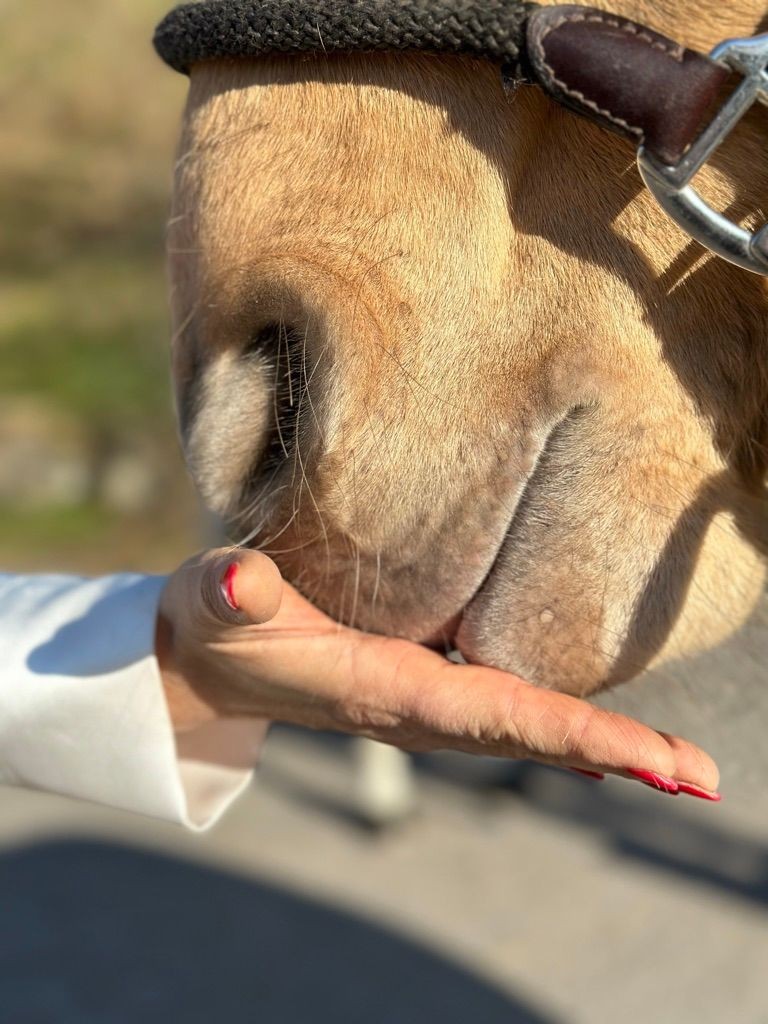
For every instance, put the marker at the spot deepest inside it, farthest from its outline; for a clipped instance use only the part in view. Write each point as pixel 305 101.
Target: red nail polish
pixel 228 586
pixel 590 775
pixel 655 781
pixel 702 794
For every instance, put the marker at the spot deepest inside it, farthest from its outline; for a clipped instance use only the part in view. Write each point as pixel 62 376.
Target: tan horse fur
pixel 491 329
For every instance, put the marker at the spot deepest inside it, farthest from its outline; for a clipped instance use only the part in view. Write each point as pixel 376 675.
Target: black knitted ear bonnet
pixel 493 29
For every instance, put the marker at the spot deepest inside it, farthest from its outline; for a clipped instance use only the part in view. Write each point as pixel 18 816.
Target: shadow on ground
pixel 654 833
pixel 94 932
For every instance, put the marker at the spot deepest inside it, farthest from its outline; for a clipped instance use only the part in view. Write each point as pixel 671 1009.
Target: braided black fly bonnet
pixel 627 77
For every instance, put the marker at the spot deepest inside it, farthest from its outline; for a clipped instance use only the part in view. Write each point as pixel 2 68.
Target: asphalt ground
pixel 511 894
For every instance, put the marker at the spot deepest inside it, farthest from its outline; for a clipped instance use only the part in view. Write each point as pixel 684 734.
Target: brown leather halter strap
pixel 677 105
pixel 625 76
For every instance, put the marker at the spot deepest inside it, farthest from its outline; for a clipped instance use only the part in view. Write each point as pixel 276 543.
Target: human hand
pixel 235 641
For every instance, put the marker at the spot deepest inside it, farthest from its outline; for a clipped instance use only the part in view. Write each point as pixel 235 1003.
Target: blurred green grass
pixel 113 375
pixel 88 131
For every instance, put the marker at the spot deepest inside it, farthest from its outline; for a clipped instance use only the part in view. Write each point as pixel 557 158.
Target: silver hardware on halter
pixel 670 185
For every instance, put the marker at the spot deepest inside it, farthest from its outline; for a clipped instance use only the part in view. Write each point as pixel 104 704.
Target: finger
pixel 561 729
pixel 693 763
pixel 485 710
pixel 236 587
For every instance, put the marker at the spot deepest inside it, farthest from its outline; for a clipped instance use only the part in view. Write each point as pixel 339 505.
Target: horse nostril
pixel 280 350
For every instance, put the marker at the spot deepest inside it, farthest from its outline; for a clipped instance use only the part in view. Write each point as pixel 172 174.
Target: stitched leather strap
pixel 625 76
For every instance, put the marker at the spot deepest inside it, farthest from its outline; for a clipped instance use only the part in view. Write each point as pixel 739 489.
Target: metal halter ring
pixel 670 185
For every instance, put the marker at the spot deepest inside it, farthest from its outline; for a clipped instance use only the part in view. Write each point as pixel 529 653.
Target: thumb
pixel 238 587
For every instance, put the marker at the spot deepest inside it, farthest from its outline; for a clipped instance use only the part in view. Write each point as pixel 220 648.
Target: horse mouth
pixel 447 637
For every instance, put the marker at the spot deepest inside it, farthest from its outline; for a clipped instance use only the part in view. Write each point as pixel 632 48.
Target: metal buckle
pixel 670 185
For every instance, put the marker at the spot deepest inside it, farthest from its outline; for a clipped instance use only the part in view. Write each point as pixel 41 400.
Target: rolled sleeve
pixel 83 710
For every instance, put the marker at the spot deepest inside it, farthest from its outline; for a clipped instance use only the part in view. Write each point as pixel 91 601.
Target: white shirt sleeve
pixel 82 706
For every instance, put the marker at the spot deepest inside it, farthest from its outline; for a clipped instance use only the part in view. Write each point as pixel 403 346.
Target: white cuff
pixel 82 706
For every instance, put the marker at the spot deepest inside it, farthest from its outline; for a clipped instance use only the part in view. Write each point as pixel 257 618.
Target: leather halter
pixel 677 105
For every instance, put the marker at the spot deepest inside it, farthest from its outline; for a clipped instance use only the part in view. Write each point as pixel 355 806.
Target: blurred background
pixel 89 470
pixel 503 893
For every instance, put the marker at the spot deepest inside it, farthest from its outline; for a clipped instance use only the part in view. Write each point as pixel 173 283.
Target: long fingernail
pixel 590 775
pixel 702 794
pixel 655 781
pixel 228 586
